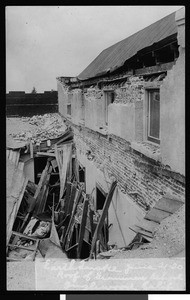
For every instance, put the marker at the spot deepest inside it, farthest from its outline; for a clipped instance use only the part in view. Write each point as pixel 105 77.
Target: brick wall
pixel 131 91
pixel 132 171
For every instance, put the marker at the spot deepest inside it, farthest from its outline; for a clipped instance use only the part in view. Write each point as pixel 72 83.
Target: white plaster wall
pixel 29 169
pixel 76 107
pixel 121 120
pixel 90 114
pixel 62 99
pixel 127 211
pixel 172 112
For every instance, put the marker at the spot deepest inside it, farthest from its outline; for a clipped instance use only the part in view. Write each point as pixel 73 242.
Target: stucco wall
pixel 173 114
pixel 127 211
pixel 76 106
pixel 29 169
pixel 62 99
pixel 94 109
pixel 121 120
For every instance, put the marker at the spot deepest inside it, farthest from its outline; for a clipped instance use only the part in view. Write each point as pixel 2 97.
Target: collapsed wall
pixel 110 118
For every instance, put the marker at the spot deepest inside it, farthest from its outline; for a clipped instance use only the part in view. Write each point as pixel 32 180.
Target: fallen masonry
pixel 54 216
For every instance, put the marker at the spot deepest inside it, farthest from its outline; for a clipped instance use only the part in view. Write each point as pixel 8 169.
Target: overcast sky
pixel 44 42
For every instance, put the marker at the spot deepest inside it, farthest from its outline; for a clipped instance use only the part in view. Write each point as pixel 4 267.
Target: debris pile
pixel 56 215
pixel 44 127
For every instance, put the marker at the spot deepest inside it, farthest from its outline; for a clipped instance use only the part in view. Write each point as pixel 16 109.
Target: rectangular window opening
pixel 100 198
pixel 153 116
pixel 69 109
pixel 109 98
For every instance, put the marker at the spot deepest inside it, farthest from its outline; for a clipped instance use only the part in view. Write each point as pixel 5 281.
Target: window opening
pixel 109 98
pixel 154 116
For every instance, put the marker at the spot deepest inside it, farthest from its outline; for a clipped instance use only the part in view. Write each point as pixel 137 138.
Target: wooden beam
pixel 77 199
pixel 82 227
pixel 71 199
pixel 157 215
pixel 20 247
pixel 68 195
pixel 91 213
pixel 154 69
pixel 102 217
pixel 45 154
pixel 169 205
pixel 24 236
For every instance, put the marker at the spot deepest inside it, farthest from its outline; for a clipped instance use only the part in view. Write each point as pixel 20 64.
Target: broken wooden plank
pixel 149 239
pixel 168 204
pixel 41 201
pixel 157 215
pixel 16 204
pixel 72 247
pixel 31 150
pixel 141 231
pixel 68 195
pixel 82 227
pixel 21 247
pixel 23 236
pixel 102 217
pixel 42 178
pixel 35 250
pixel 91 213
pixel 37 193
pixel 146 225
pixel 63 160
pixel 45 154
pixel 77 199
pixel 31 187
pixel 68 134
pixel 71 200
pixel 69 236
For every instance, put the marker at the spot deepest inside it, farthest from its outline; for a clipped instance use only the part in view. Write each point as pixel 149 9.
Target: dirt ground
pixel 168 241
pixel 36 128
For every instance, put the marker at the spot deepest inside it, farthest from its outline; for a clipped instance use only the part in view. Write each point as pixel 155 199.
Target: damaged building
pixel 103 173
pixel 127 111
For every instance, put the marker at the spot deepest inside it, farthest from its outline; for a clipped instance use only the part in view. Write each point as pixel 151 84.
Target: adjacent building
pixel 127 112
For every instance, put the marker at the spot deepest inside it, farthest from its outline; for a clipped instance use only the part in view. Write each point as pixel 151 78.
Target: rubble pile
pixel 57 217
pixel 48 126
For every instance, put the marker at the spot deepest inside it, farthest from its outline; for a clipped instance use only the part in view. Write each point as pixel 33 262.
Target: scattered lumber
pixel 103 216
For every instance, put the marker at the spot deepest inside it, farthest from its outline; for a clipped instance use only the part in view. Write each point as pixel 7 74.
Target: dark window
pixel 100 199
pixel 154 116
pixel 81 174
pixel 69 109
pixel 109 98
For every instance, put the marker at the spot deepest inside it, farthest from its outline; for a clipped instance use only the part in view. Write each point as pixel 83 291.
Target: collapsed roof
pixel 116 55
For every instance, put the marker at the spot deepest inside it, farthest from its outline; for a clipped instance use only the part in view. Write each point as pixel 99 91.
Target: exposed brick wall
pixel 131 91
pixel 133 172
